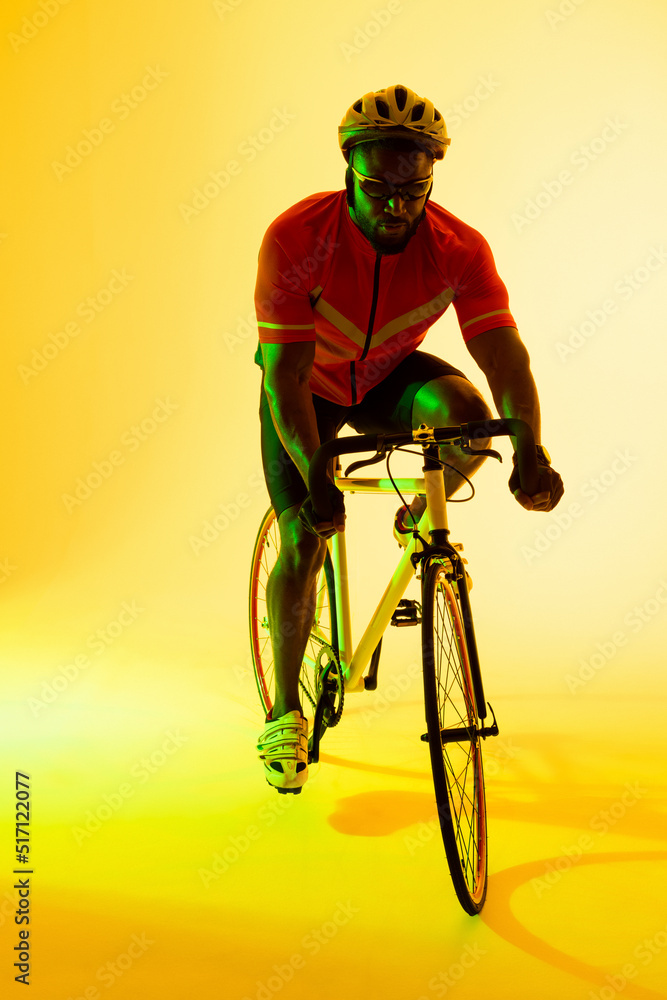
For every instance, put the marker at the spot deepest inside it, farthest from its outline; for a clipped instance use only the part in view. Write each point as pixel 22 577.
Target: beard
pixel 380 242
pixel 387 244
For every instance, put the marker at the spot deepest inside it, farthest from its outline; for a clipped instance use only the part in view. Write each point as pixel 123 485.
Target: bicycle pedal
pixel 407 613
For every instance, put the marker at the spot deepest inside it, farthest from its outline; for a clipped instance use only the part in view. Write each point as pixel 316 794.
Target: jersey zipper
pixel 369 333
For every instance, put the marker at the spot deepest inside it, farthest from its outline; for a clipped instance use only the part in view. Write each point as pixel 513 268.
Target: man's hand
pixel 324 529
pixel 549 493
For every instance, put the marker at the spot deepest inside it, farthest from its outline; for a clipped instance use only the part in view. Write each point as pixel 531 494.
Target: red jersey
pixel 320 280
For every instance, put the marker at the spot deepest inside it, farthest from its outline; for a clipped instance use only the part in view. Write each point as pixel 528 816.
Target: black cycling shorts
pixel 386 408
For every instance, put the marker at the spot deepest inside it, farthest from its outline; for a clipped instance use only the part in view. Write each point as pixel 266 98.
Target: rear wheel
pixel 321 655
pixel 453 738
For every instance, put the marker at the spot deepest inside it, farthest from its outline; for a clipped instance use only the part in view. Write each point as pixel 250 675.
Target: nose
pixel 395 205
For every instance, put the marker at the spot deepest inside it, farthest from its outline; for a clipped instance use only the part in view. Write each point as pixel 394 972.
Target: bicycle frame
pixel 353 661
pixel 434 519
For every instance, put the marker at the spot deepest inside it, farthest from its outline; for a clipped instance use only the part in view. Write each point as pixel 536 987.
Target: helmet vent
pixel 392 111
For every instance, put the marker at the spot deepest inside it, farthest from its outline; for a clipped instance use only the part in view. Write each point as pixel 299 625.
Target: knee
pixel 459 402
pixel 301 552
pixel 476 409
pixel 470 407
pixel 449 401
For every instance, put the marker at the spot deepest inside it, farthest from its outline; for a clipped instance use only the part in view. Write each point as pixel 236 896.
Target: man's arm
pixel 504 359
pixel 502 356
pixel 287 369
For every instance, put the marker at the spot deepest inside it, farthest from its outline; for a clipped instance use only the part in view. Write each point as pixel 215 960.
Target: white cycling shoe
pixel 283 749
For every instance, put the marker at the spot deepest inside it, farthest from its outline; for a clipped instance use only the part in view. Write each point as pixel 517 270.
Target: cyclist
pixel 348 284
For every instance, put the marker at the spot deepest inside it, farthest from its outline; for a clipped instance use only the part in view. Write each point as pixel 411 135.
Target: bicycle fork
pixel 436 506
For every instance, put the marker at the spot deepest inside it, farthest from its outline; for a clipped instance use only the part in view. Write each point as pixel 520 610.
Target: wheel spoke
pixel 457 767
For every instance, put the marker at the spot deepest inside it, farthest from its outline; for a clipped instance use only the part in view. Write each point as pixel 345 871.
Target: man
pixel 348 284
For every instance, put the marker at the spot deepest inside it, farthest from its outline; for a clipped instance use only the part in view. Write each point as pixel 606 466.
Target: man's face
pixel 388 225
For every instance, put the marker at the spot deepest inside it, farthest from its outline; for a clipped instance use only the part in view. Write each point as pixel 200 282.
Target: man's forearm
pixel 291 404
pixel 515 395
pixel 503 358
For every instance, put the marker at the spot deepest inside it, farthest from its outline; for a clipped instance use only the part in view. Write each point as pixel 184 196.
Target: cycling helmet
pixel 393 112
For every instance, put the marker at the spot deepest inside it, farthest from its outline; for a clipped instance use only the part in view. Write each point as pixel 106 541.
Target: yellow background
pixel 526 88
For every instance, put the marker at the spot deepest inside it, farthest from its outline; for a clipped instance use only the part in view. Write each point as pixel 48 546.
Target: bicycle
pixel 454 700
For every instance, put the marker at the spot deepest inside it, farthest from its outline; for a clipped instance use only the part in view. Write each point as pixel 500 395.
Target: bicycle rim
pixel 265 554
pixel 457 766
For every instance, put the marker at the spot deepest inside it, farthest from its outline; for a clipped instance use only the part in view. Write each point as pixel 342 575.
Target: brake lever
pixel 367 461
pixel 480 451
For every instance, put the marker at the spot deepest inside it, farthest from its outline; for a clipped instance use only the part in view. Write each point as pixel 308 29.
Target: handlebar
pixel 518 429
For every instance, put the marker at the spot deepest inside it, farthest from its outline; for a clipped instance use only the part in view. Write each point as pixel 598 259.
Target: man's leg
pixel 424 389
pixel 451 400
pixel 291 606
pixel 291 586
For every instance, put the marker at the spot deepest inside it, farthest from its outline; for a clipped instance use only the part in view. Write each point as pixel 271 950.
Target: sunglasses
pixel 384 191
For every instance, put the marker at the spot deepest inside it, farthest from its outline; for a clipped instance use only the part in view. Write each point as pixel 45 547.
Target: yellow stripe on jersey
pixel 287 326
pixel 416 315
pixel 341 323
pixel 496 312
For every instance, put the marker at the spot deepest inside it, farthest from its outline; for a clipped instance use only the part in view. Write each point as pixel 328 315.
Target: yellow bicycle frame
pixel 353 661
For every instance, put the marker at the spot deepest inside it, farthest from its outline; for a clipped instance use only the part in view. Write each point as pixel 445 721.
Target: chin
pixel 389 246
pixel 382 244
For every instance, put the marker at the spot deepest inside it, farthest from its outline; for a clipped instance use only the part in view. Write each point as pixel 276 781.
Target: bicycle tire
pixel 449 700
pixel 323 633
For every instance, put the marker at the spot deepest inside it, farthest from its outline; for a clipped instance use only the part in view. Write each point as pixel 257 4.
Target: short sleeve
pixel 481 300
pixel 282 304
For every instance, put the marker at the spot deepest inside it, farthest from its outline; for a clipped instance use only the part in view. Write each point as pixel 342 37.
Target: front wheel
pixel 320 657
pixel 453 738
